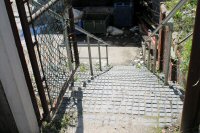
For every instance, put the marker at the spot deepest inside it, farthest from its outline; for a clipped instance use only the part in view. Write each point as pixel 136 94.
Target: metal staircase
pixel 124 98
pixel 106 99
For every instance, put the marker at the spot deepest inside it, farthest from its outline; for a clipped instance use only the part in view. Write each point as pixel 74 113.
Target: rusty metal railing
pixel 190 121
pixel 51 68
pixel 150 47
pixel 89 45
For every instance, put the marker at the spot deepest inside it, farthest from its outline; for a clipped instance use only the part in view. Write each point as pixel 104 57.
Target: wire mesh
pixel 52 53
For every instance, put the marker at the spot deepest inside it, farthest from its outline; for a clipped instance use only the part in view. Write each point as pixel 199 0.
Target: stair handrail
pixel 89 45
pixel 168 17
pixel 91 35
pixel 167 21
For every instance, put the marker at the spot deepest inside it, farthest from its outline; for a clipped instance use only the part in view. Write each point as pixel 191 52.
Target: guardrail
pixel 190 115
pixel 167 24
pixel 89 45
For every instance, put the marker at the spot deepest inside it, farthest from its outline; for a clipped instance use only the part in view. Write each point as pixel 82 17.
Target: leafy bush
pixel 184 18
pixel 185 56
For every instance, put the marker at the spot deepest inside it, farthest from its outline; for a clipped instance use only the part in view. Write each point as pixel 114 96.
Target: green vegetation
pixel 184 18
pixel 83 68
pixel 76 78
pixel 157 130
pixel 185 56
pixel 57 125
pixel 183 25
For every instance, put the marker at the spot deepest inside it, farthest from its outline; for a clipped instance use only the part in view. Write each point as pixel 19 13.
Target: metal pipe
pixel 168 17
pixel 191 110
pixel 63 90
pixel 93 58
pixel 32 56
pixel 185 39
pixel 107 55
pixel 167 65
pixel 144 51
pixel 155 54
pixel 99 50
pixel 51 12
pixel 89 34
pixel 149 55
pixel 66 43
pixel 42 10
pixel 92 45
pixel 90 56
pixel 72 34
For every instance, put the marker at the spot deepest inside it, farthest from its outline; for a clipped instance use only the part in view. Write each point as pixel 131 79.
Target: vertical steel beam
pixel 149 55
pixel 66 43
pixel 66 40
pixel 99 50
pixel 155 54
pixel 32 56
pixel 107 55
pixel 90 56
pixel 144 51
pixel 73 35
pixel 191 109
pixel 168 52
pixel 161 42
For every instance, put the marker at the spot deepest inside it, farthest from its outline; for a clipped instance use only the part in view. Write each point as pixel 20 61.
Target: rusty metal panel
pixel 191 109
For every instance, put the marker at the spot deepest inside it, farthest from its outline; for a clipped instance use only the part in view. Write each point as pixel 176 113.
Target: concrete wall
pixel 12 77
pixel 7 121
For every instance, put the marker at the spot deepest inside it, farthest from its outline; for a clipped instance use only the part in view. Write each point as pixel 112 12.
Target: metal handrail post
pixel 144 51
pixel 99 50
pixel 149 53
pixel 155 54
pixel 68 50
pixel 66 40
pixel 107 55
pixel 170 27
pixel 90 56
